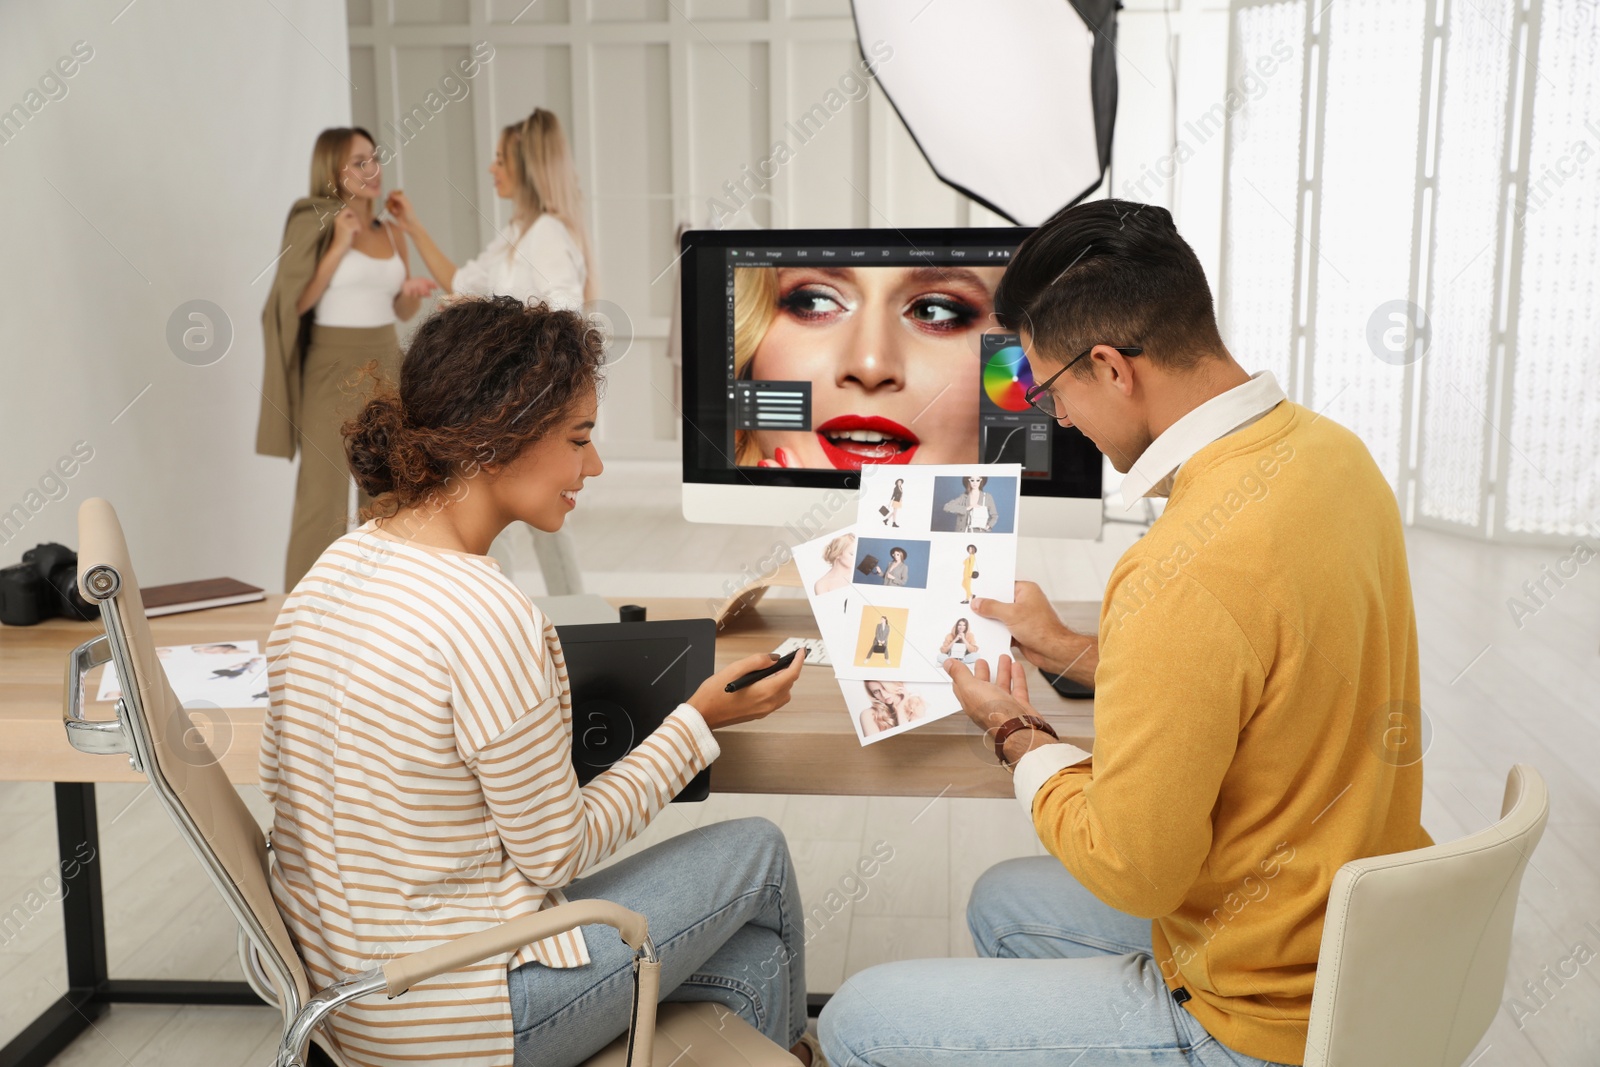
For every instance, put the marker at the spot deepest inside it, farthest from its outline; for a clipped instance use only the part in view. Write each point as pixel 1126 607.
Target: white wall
pixel 162 175
pixel 165 172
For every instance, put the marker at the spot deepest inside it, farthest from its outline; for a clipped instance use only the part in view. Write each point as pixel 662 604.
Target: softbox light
pixel 1011 101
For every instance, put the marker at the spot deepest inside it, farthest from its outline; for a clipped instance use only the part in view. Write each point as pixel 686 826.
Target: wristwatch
pixel 1011 726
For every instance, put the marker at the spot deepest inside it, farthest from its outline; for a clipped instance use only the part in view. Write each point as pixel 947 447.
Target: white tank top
pixel 362 290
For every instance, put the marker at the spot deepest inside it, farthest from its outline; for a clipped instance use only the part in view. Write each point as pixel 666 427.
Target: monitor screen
pixel 811 353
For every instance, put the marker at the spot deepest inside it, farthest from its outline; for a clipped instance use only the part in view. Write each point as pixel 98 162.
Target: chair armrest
pixel 98 737
pixel 401 974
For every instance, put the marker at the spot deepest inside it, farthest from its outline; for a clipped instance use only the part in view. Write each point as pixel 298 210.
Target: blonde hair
pixel 544 181
pixel 755 306
pixel 328 156
pixel 837 548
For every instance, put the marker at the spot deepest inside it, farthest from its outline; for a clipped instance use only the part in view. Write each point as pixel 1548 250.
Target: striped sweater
pixel 417 754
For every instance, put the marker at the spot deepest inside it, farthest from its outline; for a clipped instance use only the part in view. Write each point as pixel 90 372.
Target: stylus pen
pixel 755 676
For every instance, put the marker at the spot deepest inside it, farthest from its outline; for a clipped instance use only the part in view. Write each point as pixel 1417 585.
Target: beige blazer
pixel 306 236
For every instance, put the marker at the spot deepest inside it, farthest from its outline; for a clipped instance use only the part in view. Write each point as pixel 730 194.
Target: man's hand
pixel 991 704
pixel 1038 631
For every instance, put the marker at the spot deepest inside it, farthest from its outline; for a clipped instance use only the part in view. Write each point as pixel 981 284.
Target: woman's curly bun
pixel 482 380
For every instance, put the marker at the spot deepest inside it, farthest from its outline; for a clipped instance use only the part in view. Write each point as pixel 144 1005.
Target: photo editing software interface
pixel 838 357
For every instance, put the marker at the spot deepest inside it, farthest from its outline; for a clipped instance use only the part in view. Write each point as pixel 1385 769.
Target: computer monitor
pixel 808 354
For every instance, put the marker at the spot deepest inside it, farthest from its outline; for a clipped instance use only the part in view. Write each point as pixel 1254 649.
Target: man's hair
pixel 1110 272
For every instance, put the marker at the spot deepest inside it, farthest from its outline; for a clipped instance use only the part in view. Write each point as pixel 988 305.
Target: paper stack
pixel 892 595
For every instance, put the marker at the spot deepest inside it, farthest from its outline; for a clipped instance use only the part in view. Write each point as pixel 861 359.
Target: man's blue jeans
pixel 1066 982
pixel 725 917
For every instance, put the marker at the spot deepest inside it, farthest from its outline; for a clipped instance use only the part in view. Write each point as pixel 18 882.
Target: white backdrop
pixel 162 175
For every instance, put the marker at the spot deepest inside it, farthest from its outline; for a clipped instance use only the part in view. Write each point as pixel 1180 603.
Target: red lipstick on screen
pixel 852 441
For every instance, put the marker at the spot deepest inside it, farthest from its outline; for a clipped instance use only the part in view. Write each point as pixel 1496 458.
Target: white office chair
pixel 160 740
pixel 1414 947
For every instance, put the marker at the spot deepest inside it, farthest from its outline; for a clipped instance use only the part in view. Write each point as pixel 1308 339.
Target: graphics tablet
pixel 626 678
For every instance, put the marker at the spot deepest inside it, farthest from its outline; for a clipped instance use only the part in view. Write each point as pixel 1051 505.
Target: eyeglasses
pixel 1044 400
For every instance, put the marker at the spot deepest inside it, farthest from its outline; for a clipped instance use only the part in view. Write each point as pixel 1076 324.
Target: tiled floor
pixel 1496 693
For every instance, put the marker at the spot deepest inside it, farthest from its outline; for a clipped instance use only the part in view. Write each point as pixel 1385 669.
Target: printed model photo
pixel 839 554
pixel 890 511
pixel 969 571
pixel 881 708
pixel 890 705
pixel 959 643
pixel 974 504
pixel 880 638
pixel 222 674
pixel 902 564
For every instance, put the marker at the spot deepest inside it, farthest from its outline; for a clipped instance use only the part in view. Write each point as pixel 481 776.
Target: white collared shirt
pixel 1152 475
pixel 1153 472
pixel 542 262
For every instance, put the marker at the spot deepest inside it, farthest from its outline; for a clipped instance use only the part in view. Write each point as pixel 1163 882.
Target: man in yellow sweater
pixel 1257 701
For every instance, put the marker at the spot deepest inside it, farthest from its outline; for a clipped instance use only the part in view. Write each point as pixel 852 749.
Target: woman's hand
pixel 417 288
pixel 720 708
pixel 780 458
pixel 346 225
pixel 398 205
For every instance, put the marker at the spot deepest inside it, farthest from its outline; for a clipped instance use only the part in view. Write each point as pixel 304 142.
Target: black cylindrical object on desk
pixel 630 613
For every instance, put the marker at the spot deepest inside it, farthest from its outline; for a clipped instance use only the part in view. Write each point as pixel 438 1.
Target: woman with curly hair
pixel 418 747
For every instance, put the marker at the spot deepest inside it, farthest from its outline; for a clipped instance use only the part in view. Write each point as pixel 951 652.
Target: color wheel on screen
pixel 1007 379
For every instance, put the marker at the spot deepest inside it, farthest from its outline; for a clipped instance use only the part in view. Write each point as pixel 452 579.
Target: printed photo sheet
pixel 892 596
pixel 224 674
pixel 949 534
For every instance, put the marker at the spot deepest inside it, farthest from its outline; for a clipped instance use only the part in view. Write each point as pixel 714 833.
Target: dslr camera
pixel 43 586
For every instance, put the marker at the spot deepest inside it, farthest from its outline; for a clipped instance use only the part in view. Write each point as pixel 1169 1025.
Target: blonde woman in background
pixel 342 282
pixel 545 257
pixel 547 253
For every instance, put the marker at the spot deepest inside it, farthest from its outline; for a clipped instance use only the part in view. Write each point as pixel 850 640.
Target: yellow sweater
pixel 1257 721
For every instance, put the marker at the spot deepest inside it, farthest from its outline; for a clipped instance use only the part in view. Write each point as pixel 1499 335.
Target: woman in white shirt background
pixel 545 256
pixel 342 282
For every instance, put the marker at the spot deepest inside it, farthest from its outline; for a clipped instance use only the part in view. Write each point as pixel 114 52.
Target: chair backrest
pixel 1415 945
pixel 185 774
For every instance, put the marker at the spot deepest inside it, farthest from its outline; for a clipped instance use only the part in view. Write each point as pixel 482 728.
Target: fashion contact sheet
pixel 892 596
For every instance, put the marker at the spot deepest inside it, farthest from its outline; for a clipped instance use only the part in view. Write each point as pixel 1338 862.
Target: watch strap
pixel 1011 726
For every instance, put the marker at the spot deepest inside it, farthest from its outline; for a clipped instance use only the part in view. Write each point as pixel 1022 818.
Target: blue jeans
pixel 725 917
pixel 1066 982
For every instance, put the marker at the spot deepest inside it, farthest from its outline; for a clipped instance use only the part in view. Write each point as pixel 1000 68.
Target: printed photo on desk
pixel 224 674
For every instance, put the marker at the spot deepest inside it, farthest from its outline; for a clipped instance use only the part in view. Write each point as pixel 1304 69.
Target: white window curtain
pixel 1411 231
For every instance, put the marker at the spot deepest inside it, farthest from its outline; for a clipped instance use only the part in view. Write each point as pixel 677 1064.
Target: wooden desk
pixel 807 747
